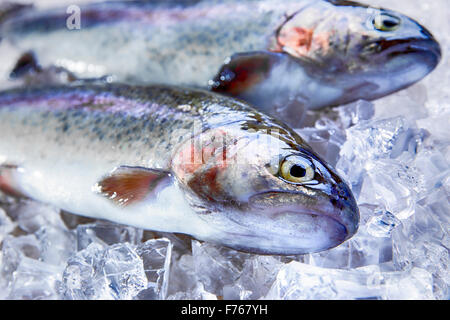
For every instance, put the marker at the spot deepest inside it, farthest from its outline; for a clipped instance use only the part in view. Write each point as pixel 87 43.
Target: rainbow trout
pixel 173 160
pixel 281 56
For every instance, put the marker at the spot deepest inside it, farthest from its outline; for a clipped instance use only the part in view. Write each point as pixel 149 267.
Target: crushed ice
pixel 394 153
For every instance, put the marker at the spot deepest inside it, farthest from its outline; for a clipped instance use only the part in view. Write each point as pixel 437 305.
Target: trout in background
pixel 281 56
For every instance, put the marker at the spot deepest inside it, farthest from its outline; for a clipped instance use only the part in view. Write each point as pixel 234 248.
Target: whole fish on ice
pixel 281 56
pixel 175 160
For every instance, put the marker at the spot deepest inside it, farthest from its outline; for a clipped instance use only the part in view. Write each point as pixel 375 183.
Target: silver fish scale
pixel 137 126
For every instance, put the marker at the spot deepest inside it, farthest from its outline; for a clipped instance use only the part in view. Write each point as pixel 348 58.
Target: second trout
pixel 281 56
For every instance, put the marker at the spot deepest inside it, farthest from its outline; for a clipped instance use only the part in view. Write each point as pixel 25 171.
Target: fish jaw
pixel 309 225
pixel 288 230
pixel 313 233
pixel 410 59
pixel 405 63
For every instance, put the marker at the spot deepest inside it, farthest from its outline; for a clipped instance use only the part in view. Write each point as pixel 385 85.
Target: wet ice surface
pixel 394 153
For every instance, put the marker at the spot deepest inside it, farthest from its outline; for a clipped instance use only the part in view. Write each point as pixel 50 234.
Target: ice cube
pixel 198 293
pixel 183 277
pixel 366 250
pixel 106 233
pixel 35 280
pixel 379 188
pixel 437 125
pixel 25 275
pixel 361 250
pixel 382 224
pixel 297 281
pixel 382 139
pixel 393 186
pixel 14 249
pixel 156 255
pixel 99 272
pixel 124 270
pixel 83 277
pixel 57 244
pixel 416 284
pixel 367 142
pixel 421 242
pixel 217 266
pixel 408 103
pixel 377 160
pixel 326 142
pixel 337 258
pixel 4 291
pixel 32 215
pixel 434 165
pixel 355 112
pixel 300 281
pixel 236 292
pixel 6 225
pixel 373 140
pixel 257 277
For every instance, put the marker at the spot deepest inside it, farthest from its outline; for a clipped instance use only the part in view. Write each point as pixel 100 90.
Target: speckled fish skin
pixel 318 53
pixel 172 42
pixel 223 160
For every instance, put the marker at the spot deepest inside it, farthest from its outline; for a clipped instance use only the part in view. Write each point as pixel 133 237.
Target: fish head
pixel 264 191
pixel 370 52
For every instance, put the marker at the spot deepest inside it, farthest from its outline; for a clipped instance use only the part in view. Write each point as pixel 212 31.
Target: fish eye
pixel 386 22
pixel 297 169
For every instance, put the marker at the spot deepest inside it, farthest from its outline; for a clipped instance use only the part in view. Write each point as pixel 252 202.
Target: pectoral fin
pixel 243 71
pixel 128 185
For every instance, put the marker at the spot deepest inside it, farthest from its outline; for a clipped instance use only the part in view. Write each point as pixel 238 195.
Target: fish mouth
pixel 288 229
pixel 287 233
pixel 426 50
pixel 324 233
pixel 339 205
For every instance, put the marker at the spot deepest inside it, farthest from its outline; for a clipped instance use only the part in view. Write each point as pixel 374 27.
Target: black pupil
pixel 297 171
pixel 389 23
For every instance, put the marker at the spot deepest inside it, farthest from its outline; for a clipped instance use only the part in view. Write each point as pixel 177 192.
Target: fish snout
pixel 429 47
pixel 307 224
pixel 345 209
pixel 422 43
